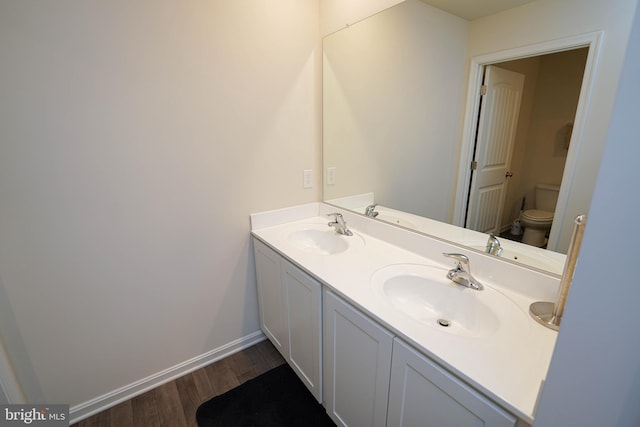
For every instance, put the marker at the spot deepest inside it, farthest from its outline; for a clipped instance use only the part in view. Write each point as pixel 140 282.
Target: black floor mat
pixel 276 398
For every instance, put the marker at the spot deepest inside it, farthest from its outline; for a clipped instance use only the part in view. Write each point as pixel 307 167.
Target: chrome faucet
pixel 493 245
pixel 371 211
pixel 339 224
pixel 462 273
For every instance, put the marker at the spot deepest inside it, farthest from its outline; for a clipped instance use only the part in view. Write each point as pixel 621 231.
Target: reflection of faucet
pixel 493 245
pixel 339 224
pixel 462 273
pixel 371 211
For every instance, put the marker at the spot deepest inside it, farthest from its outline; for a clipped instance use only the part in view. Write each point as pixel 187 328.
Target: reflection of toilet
pixel 537 222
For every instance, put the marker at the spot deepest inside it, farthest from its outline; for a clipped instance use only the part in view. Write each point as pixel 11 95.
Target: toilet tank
pixel 547 197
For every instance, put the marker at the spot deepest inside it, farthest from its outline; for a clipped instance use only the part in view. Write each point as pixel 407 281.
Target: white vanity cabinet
pixel 321 306
pixel 357 365
pixel 372 378
pixel 422 393
pixel 290 314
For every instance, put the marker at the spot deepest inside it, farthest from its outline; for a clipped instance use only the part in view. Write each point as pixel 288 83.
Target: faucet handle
pixel 340 224
pixel 463 260
pixel 493 246
pixel 371 210
pixel 336 216
pixel 462 273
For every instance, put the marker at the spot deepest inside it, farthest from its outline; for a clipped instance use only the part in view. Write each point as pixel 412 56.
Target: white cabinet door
pixel 304 314
pixel 357 365
pixel 423 394
pixel 271 297
pixel 290 304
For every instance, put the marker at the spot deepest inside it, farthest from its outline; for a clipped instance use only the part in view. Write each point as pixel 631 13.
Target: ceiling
pixel 474 9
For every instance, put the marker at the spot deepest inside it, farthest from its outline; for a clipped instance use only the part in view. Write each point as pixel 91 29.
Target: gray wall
pixel 594 378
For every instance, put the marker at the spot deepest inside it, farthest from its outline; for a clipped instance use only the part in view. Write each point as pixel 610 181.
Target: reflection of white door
pixel 494 145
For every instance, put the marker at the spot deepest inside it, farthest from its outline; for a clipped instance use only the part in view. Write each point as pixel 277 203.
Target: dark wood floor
pixel 174 404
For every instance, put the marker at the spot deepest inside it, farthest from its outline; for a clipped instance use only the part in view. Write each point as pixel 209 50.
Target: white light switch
pixel 307 178
pixel 331 176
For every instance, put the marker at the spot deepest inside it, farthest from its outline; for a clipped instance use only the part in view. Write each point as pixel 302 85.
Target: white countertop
pixel 507 365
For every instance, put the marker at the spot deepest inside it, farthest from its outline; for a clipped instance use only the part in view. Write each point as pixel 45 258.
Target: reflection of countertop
pixel 532 256
pixel 508 365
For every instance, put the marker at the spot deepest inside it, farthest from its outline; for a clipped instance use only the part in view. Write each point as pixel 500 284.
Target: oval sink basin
pixel 322 240
pixel 423 293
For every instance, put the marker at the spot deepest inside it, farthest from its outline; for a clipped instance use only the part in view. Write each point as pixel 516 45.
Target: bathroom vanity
pixel 379 335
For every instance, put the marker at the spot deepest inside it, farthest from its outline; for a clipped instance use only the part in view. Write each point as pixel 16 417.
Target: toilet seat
pixel 537 216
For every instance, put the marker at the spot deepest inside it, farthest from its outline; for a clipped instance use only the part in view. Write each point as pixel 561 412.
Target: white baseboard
pixel 100 403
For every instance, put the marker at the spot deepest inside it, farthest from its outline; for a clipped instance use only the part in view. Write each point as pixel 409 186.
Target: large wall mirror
pixel 403 129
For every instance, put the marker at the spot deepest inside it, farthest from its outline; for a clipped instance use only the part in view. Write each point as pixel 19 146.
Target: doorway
pixel 585 44
pixel 535 151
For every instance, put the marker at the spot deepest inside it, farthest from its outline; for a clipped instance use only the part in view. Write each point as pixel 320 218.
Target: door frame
pixel 476 70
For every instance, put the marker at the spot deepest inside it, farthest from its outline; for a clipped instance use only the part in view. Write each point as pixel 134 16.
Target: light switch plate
pixel 307 178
